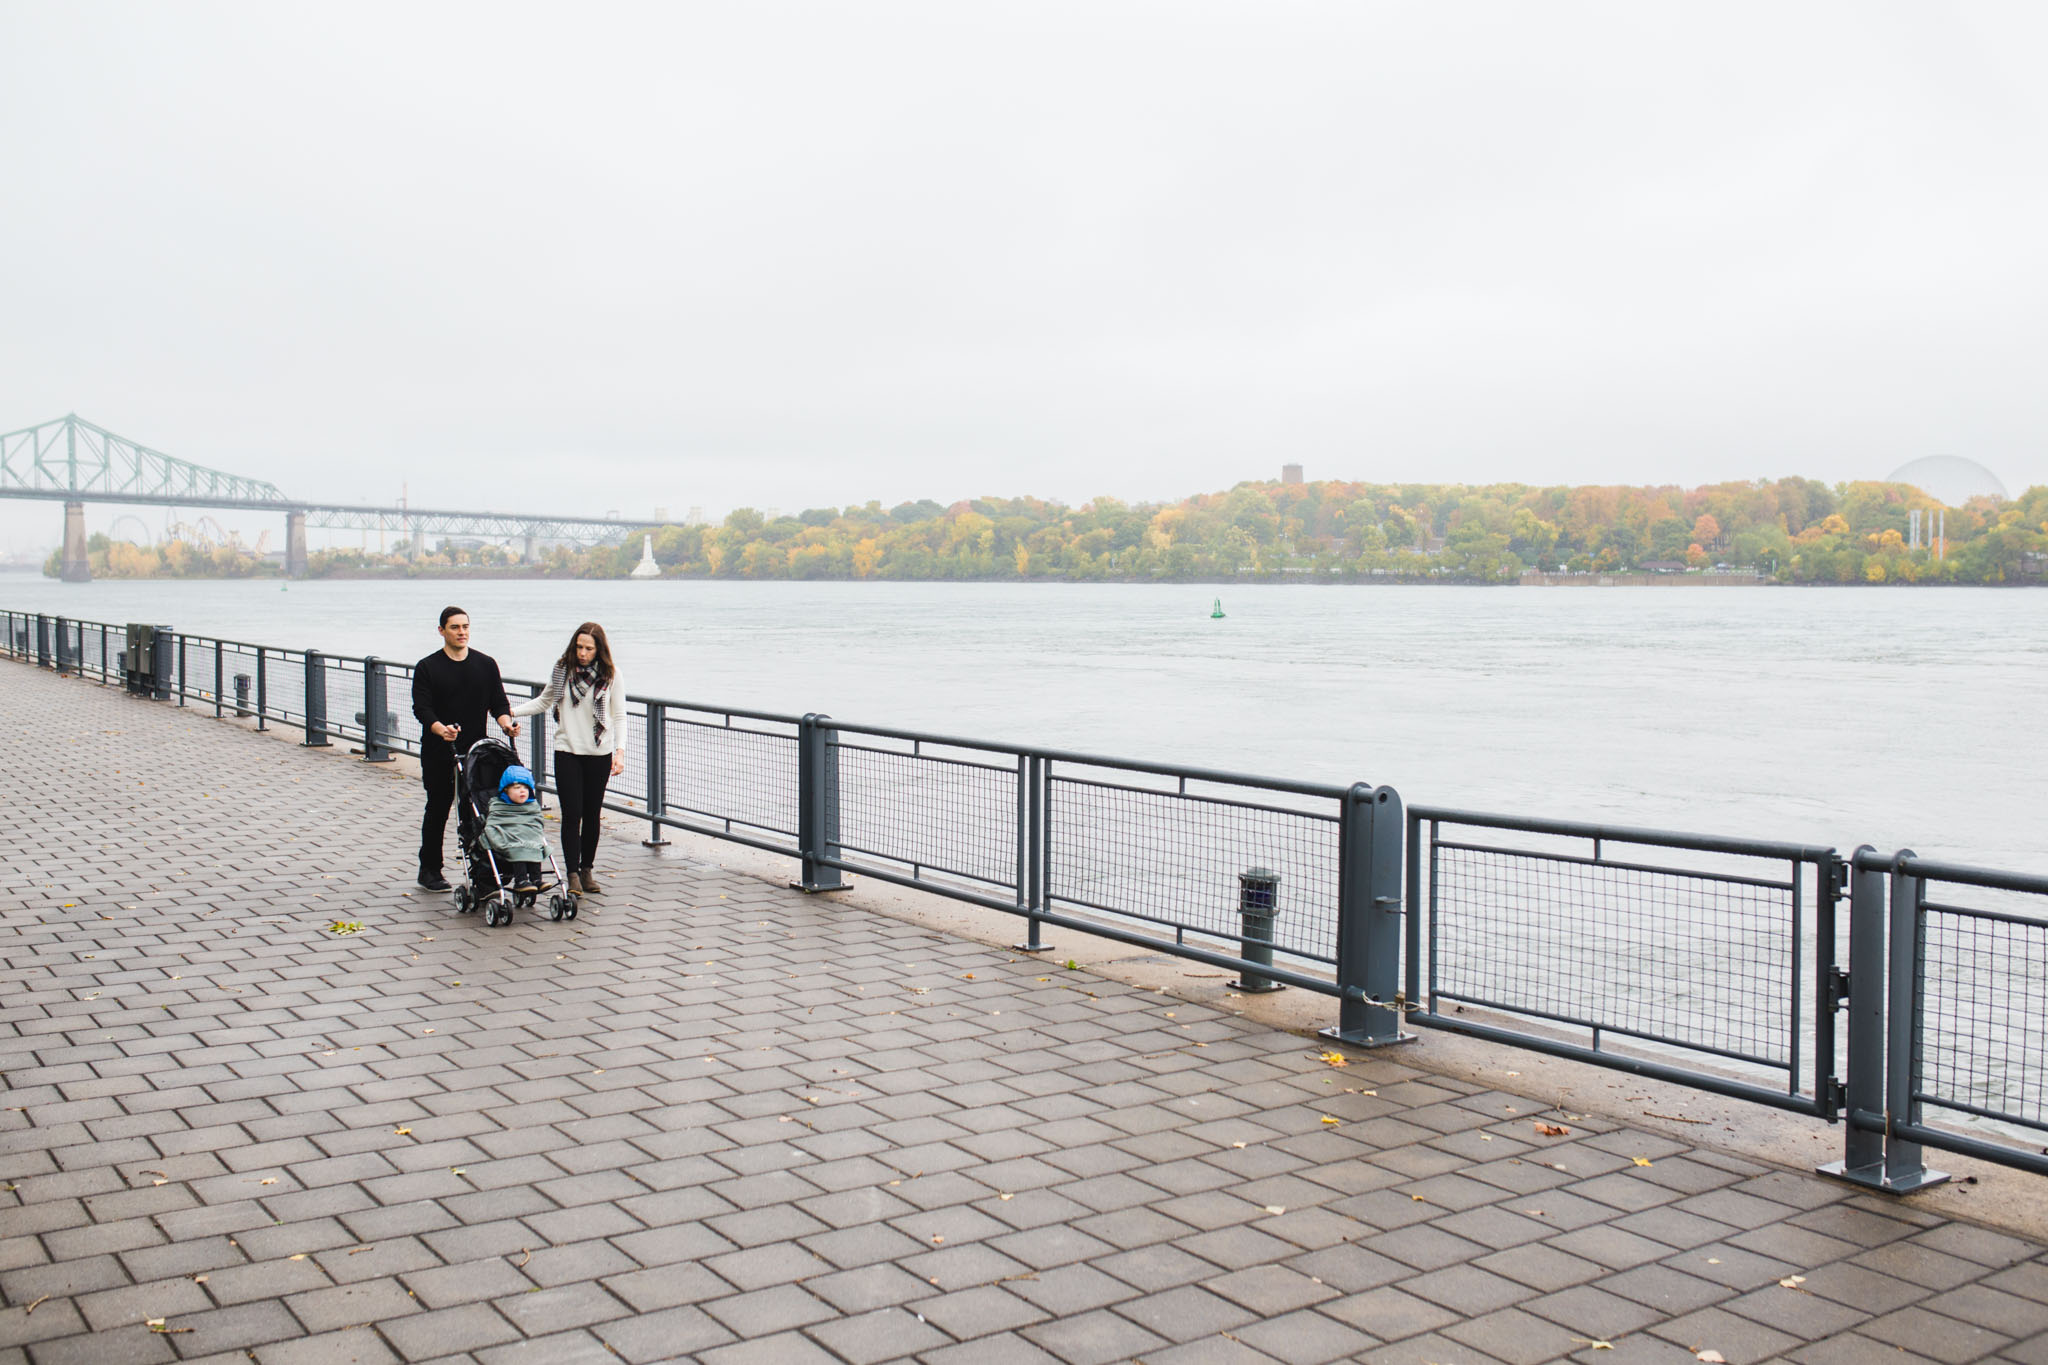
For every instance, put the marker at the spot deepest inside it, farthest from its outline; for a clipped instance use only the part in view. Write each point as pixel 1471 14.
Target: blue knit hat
pixel 519 775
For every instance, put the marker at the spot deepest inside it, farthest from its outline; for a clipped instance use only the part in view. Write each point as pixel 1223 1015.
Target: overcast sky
pixel 595 257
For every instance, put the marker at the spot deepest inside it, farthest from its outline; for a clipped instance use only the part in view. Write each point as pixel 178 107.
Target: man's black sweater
pixel 467 693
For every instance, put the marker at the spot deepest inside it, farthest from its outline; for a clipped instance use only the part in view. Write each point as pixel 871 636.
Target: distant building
pixel 1664 566
pixel 1290 473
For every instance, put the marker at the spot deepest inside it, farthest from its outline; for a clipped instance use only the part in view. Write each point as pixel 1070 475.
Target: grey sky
pixel 793 254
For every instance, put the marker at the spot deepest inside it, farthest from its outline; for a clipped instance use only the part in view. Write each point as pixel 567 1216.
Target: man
pixel 454 690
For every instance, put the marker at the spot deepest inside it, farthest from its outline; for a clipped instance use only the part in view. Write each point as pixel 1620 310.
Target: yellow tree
pixel 867 557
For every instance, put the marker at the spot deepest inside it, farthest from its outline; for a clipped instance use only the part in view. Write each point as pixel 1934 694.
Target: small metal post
pixel 376 742
pixel 217 700
pixel 1030 851
pixel 182 682
pixel 817 806
pixel 63 639
pixel 316 702
pixel 242 681
pixel 1370 831
pixel 657 775
pixel 262 687
pixel 105 658
pixel 1258 904
pixel 42 641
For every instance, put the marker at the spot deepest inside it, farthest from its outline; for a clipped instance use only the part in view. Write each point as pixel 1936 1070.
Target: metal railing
pixel 1706 961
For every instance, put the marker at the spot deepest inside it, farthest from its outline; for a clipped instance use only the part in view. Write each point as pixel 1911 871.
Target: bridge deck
pixel 717 1120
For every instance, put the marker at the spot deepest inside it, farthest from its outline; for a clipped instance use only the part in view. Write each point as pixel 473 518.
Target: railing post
pixel 1904 1170
pixel 1412 948
pixel 316 702
pixel 1031 851
pixel 262 687
pixel 1831 996
pixel 817 819
pixel 42 641
pixel 1370 831
pixel 1863 1149
pixel 160 662
pixel 657 775
pixel 1883 1027
pixel 219 703
pixel 376 744
pixel 183 682
pixel 63 632
pixel 537 760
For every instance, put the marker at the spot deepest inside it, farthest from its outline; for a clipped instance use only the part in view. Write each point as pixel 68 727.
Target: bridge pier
pixel 295 544
pixel 526 555
pixel 77 566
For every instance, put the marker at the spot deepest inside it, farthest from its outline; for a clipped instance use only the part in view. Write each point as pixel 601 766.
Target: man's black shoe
pixel 433 881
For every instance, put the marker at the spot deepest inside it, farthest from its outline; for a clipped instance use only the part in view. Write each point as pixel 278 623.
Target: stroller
pixel 482 888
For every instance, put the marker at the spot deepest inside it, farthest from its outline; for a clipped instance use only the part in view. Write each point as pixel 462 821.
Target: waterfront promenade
pixel 715 1119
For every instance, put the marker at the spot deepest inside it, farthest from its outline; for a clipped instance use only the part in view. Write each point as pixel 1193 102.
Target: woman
pixel 589 710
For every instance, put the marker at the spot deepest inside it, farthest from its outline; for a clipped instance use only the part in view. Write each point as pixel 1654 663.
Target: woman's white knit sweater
pixel 576 731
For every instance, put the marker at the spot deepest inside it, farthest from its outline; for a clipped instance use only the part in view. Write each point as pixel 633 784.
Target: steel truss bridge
pixel 73 461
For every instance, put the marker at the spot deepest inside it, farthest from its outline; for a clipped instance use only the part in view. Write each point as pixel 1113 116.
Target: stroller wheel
pixel 554 907
pixel 462 900
pixel 500 915
pixel 569 911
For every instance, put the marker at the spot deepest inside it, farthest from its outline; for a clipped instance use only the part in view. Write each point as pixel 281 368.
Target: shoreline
pixel 1588 580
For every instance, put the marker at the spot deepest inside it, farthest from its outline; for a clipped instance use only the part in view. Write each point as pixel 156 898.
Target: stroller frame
pixel 488 892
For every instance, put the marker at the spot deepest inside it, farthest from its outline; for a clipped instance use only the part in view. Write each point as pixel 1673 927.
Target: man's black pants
pixel 437 775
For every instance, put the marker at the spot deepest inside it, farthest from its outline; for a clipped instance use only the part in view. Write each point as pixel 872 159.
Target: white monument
pixel 646 568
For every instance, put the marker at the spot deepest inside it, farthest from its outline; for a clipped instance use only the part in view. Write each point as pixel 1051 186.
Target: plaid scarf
pixel 577 684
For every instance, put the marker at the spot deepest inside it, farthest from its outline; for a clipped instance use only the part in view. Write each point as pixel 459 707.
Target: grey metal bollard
pixel 242 681
pixel 1258 904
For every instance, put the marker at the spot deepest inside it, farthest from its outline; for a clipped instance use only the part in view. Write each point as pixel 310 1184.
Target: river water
pixel 1899 718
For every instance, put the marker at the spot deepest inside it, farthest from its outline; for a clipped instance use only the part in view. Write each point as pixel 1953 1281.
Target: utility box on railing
pixel 139 664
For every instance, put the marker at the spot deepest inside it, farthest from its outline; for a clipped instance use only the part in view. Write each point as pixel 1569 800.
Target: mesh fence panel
pixel 1983 1014
pixel 1174 857
pixel 99 652
pixel 1697 959
pixel 344 696
pixel 929 812
pixel 284 687
pixel 741 773
pixel 631 785
pixel 199 680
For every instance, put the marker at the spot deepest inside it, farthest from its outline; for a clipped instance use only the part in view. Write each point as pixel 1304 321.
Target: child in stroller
pixel 501 841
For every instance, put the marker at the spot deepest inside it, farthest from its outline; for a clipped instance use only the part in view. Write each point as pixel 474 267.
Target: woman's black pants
pixel 580 780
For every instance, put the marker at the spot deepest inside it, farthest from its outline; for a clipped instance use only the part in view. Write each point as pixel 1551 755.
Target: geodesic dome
pixel 1951 478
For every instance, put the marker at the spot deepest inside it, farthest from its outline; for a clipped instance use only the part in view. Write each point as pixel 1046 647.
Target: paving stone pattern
pixel 720 1121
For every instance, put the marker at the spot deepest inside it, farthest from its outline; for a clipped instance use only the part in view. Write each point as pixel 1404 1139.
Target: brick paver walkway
pixel 717 1120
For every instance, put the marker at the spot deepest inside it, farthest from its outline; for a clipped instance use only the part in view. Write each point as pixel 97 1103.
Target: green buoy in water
pixel 1216 612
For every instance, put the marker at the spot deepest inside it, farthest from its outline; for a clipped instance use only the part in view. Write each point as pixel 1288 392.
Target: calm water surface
pixel 1897 718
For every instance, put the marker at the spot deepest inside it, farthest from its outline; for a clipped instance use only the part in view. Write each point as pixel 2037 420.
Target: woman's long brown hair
pixel 602 664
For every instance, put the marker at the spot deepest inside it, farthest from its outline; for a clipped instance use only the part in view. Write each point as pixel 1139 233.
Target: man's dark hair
pixel 447 612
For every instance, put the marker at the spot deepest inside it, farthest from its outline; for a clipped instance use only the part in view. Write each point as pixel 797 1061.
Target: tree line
pixel 1792 530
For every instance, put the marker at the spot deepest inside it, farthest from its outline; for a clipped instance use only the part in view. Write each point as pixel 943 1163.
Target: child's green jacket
pixel 513 832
